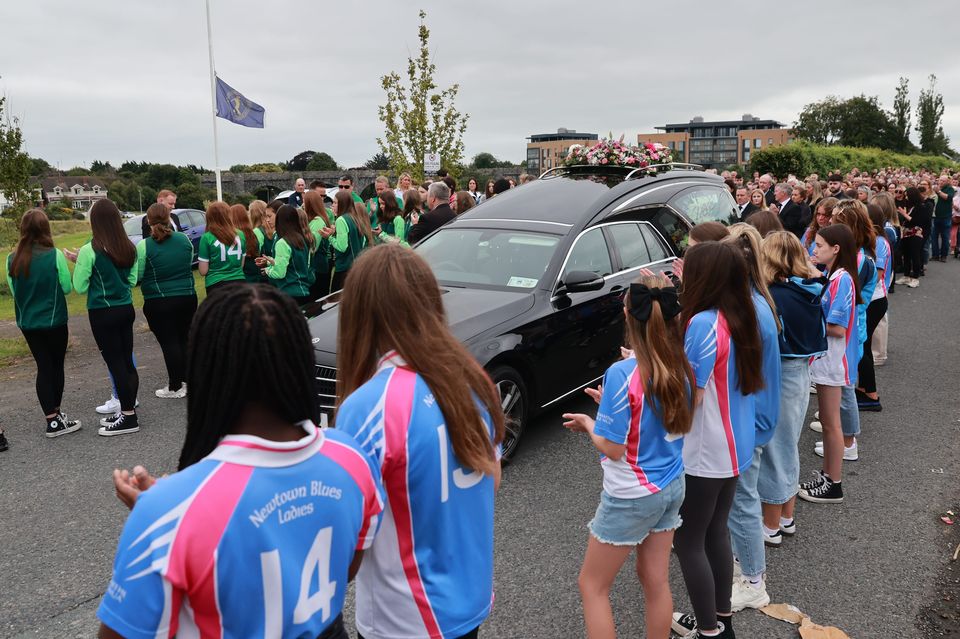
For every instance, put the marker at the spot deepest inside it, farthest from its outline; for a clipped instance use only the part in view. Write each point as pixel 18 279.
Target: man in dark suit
pixel 766 185
pixel 744 204
pixel 791 214
pixel 169 198
pixel 438 199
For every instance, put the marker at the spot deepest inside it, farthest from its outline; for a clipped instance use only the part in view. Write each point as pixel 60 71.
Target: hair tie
pixel 642 298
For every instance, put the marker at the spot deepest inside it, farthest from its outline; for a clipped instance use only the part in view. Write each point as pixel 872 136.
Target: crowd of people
pixel 698 426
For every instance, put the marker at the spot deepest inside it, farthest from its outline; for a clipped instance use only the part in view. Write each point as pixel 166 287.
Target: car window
pixel 590 253
pixel 190 219
pixel 673 228
pixel 706 204
pixel 133 225
pixel 654 244
pixel 630 245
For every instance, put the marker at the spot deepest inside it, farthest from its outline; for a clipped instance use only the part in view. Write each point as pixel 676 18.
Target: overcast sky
pixel 129 80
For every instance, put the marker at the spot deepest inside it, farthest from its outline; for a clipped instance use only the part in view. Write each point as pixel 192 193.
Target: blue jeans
pixel 746 520
pixel 849 413
pixel 780 462
pixel 941 237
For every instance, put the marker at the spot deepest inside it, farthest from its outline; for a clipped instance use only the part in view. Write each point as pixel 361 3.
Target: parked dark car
pixel 533 279
pixel 192 222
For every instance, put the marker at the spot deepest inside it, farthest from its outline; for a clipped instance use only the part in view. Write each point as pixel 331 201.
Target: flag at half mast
pixel 233 106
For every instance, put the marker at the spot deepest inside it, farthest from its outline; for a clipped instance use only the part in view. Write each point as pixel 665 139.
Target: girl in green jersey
pixel 241 221
pixel 320 260
pixel 165 273
pixel 392 225
pixel 107 271
pixel 221 251
pixel 350 236
pixel 39 280
pixel 263 218
pixel 290 268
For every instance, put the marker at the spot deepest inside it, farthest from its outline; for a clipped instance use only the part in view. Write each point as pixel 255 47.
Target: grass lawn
pixel 70 234
pixel 12 349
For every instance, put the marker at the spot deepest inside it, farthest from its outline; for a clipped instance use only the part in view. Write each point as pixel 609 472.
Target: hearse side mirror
pixel 581 282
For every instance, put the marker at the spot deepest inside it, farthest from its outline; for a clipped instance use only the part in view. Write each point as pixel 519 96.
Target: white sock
pixel 711 633
pixel 769 532
pixel 786 522
pixel 755 581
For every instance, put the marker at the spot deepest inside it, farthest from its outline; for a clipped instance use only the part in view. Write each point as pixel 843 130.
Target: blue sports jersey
pixel 429 572
pixel 653 458
pixel 840 310
pixel 867 274
pixel 720 444
pixel 768 397
pixel 255 540
pixel 884 263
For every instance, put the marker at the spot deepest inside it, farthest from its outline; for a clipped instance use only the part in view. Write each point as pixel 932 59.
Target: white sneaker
pixel 903 279
pixel 816 427
pixel 913 283
pixel 746 596
pixel 737 569
pixel 166 393
pixel 813 389
pixel 851 453
pixel 109 407
pixel 816 414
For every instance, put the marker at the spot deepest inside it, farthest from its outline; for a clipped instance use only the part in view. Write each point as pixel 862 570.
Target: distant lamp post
pixel 140 197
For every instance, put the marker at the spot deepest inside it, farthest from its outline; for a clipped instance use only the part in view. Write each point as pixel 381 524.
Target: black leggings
pixel 169 318
pixel 867 375
pixel 912 255
pixel 338 278
pixel 321 286
pixel 113 331
pixel 703 546
pixel 49 348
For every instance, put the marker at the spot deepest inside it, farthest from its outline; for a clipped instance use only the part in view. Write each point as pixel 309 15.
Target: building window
pixel 77 204
pixel 683 149
pixel 96 189
pixel 756 143
pixel 769 141
pixel 57 190
pixel 746 155
pixel 533 159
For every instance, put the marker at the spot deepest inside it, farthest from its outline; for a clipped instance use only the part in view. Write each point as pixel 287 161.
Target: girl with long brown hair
pixel 165 273
pixel 722 342
pixel 263 218
pixel 39 281
pixel 644 412
pixel 319 220
pixel 290 268
pixel 392 225
pixel 349 237
pixel 428 415
pixel 106 271
pixel 222 250
pixel 241 221
pixel 821 218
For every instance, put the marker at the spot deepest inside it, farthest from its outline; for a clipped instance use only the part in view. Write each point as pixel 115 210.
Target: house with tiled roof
pixel 82 190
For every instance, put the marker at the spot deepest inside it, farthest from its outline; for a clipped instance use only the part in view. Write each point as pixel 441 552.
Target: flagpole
pixel 213 102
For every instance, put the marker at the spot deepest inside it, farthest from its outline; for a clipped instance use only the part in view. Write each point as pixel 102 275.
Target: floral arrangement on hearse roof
pixel 609 152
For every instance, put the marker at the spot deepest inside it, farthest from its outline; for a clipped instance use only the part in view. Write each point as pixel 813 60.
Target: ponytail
pixel 158 219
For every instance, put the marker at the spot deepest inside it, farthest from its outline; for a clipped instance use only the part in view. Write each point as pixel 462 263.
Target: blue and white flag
pixel 233 106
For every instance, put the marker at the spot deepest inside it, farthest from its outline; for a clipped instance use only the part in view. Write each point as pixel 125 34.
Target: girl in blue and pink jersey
pixel 644 411
pixel 429 417
pixel 263 526
pixel 837 250
pixel 722 342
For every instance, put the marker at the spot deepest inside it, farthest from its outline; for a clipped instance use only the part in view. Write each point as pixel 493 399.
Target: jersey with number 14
pixel 430 570
pixel 255 540
pixel 225 262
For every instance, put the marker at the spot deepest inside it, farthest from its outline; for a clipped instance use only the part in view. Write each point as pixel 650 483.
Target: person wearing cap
pixel 835 186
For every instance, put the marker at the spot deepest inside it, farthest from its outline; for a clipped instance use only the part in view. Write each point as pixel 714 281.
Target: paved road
pixel 867 566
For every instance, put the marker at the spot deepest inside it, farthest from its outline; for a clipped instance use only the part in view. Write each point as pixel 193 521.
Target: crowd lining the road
pixel 269 517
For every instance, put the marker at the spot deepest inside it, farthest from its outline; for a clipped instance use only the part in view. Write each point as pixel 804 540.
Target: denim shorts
pixel 627 522
pixel 780 461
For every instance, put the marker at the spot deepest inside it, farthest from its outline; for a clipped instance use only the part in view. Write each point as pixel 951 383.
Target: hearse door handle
pixel 618 289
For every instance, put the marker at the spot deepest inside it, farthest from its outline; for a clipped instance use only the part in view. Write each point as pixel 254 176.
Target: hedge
pixel 801 158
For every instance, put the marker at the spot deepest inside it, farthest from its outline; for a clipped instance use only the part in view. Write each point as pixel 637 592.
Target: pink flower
pixel 603 161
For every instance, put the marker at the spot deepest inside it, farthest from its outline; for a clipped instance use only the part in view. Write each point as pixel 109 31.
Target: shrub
pixel 803 158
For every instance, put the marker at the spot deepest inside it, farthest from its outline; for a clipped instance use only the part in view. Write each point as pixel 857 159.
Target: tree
pixel 818 121
pixel 930 120
pixel 77 171
pixel 322 162
pixel 379 162
pixel 15 164
pixel 101 168
pixel 858 121
pixel 901 113
pixel 419 118
pixel 300 160
pixel 486 160
pixel 39 167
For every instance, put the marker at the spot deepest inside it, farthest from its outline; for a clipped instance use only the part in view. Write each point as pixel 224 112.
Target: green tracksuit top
pixel 347 243
pixel 164 269
pixel 226 262
pixel 291 269
pixel 106 284
pixel 40 298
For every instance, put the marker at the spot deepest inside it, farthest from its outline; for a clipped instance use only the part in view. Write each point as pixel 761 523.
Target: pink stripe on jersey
pixel 399 407
pixel 351 461
pixel 722 381
pixel 193 551
pixel 633 437
pixel 851 326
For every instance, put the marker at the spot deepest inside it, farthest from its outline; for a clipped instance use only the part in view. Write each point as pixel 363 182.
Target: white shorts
pixel 827 370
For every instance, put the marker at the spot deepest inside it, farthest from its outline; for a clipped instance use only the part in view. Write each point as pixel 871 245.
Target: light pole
pixel 140 197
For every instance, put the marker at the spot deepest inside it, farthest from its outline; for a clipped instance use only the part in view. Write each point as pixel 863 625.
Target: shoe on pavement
pixel 684 624
pixel 913 283
pixel 826 493
pixel 813 483
pixel 903 279
pixel 166 393
pixel 813 389
pixel 816 427
pixel 868 404
pixel 4 444
pixel 60 425
pixel 121 425
pixel 789 529
pixel 771 540
pixel 744 595
pixel 851 453
pixel 816 414
pixel 109 407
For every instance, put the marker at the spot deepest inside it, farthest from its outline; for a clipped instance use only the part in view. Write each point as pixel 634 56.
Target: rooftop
pixel 746 121
pixel 562 134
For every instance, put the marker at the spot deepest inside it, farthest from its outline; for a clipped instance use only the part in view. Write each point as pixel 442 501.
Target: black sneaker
pixel 119 424
pixel 3 442
pixel 813 483
pixel 726 632
pixel 60 425
pixel 826 493
pixel 726 628
pixel 683 624
pixel 867 404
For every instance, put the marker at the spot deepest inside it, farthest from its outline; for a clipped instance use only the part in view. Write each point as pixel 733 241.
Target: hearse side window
pixel 654 244
pixel 630 245
pixel 589 254
pixel 706 204
pixel 673 228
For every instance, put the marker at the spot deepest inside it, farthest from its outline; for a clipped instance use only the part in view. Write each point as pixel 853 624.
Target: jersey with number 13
pixel 430 570
pixel 255 540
